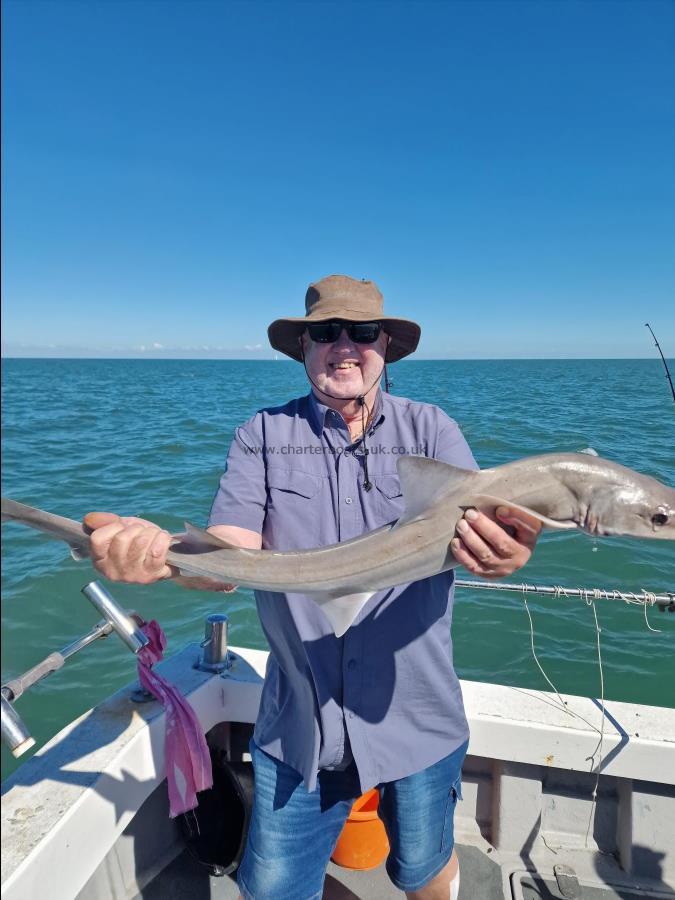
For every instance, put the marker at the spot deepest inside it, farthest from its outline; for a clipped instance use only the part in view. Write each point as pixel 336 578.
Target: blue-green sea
pixel 149 437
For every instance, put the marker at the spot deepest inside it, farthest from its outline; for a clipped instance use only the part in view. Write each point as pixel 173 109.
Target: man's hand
pixel 486 549
pixel 125 548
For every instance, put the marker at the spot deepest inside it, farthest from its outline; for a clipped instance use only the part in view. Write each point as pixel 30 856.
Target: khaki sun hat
pixel 342 297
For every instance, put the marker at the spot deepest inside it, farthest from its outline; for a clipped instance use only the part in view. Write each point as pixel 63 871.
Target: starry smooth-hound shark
pixel 562 490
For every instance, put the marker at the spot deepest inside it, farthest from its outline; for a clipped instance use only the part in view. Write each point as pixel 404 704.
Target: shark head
pixel 644 508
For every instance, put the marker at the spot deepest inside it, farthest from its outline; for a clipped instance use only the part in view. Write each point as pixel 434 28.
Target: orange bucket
pixel 363 842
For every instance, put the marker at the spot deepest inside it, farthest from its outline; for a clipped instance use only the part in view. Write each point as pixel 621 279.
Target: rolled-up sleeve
pixel 451 446
pixel 242 494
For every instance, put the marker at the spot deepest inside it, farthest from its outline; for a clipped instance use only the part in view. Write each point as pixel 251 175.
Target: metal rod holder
pixel 100 630
pixel 214 656
pixel 125 626
pixel 15 735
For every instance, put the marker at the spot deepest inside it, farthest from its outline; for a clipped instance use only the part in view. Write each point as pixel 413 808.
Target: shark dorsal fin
pixel 201 537
pixel 423 480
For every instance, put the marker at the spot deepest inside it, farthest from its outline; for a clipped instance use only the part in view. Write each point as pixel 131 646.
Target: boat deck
pixel 481 879
pixel 185 878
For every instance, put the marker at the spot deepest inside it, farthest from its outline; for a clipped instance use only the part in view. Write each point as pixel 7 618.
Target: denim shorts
pixel 292 832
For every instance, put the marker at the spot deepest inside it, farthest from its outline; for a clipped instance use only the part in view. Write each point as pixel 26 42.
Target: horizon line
pixel 158 358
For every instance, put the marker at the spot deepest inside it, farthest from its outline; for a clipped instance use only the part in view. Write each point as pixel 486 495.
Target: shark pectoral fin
pixel 341 611
pixel 487 501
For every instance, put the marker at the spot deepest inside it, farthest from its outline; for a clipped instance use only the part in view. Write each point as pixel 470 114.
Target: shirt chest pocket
pixel 288 481
pixel 388 497
pixel 293 508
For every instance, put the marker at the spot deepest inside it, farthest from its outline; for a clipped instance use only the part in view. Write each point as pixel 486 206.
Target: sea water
pixel 150 437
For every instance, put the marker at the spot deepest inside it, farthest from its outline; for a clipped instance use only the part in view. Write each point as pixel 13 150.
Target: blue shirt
pixel 386 693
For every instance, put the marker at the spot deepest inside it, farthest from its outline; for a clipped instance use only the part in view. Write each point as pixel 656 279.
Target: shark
pixel 564 491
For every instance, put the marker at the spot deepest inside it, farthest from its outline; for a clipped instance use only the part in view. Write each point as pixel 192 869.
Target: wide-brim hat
pixel 341 297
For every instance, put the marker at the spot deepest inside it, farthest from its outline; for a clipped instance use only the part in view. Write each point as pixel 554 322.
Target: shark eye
pixel 659 519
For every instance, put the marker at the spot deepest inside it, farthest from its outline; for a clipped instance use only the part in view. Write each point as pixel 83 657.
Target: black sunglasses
pixel 359 332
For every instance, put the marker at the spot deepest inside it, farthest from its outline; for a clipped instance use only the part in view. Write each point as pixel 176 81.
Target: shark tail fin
pixel 57 527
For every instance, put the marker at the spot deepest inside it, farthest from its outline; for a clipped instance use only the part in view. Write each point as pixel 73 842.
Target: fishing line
pixel 562 705
pixel 649 600
pixel 589 599
pixel 600 746
pixel 665 364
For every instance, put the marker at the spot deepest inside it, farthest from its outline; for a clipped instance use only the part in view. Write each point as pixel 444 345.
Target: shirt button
pixel 348 499
pixel 351 664
pixel 350 714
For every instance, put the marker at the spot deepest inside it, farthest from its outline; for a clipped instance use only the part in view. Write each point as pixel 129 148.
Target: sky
pixel 176 173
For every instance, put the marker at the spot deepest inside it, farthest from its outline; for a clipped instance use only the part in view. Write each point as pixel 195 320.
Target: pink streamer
pixel 188 762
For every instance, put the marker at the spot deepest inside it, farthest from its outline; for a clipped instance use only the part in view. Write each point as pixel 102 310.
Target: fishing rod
pixel 644 598
pixel 665 364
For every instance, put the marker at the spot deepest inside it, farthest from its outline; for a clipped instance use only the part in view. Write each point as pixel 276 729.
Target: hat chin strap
pixel 361 400
pixel 358 397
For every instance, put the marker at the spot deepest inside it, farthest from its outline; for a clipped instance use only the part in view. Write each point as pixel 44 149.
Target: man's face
pixel 344 369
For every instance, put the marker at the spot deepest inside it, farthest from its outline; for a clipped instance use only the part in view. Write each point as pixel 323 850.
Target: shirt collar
pixel 318 412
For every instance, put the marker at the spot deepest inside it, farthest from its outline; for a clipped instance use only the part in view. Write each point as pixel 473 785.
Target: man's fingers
pixel 128 548
pixel 136 520
pixel 462 555
pixel 140 539
pixel 473 541
pixel 527 527
pixel 130 545
pixel 484 537
pixel 96 520
pixel 484 548
pixel 160 545
pixel 155 557
pixel 102 538
pixel 466 558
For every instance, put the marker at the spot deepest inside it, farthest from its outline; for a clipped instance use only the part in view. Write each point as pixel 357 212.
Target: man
pixel 381 705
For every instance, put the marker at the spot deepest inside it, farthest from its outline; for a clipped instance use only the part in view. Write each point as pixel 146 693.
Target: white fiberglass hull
pixel 71 823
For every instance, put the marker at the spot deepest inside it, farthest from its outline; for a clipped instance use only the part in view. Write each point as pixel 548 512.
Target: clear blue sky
pixel 175 173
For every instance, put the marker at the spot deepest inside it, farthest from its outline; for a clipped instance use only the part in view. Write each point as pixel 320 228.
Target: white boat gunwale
pixel 63 810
